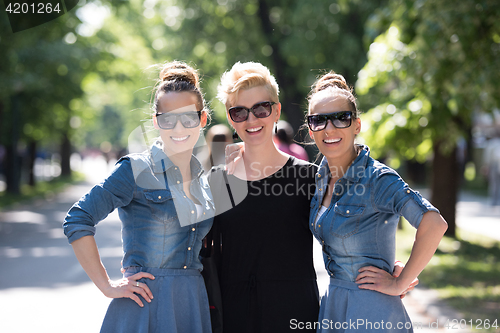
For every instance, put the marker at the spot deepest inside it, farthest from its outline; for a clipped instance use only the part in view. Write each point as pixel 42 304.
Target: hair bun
pixel 331 79
pixel 179 71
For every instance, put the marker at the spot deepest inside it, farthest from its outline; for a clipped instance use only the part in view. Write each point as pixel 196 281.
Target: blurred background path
pixel 44 289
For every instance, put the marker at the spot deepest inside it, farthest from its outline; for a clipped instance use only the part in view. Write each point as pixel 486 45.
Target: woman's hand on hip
pixel 398 269
pixel 130 287
pixel 373 278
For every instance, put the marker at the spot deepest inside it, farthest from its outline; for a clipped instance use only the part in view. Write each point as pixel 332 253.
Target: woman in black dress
pixel 268 281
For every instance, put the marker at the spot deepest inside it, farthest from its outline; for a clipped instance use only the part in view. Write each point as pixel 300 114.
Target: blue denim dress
pixel 358 229
pixel 162 234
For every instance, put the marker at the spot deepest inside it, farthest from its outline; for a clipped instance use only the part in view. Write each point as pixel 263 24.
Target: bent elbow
pixel 443 225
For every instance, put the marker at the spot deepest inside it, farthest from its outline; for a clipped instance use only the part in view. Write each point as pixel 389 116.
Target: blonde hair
pixel 245 76
pixel 333 84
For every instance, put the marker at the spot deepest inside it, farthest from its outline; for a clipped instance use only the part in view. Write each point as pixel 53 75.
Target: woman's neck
pixel 339 165
pixel 261 161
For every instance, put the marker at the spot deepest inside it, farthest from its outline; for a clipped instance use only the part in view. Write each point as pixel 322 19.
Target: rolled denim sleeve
pixel 392 195
pixel 115 191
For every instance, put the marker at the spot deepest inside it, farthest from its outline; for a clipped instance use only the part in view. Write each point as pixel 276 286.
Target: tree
pixel 42 69
pixel 95 74
pixel 436 64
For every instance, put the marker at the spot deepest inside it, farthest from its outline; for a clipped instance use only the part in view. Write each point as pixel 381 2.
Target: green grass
pixel 478 186
pixel 465 271
pixel 40 190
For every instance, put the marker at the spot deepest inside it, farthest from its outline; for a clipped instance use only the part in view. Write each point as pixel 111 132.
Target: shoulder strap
pixel 228 188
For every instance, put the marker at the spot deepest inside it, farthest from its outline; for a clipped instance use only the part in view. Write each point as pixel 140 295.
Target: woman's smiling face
pixel 255 131
pixel 179 139
pixel 334 142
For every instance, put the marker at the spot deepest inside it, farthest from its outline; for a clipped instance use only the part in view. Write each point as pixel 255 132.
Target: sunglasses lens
pixel 342 119
pixel 316 122
pixel 190 120
pixel 169 120
pixel 238 114
pixel 339 120
pixel 166 121
pixel 262 110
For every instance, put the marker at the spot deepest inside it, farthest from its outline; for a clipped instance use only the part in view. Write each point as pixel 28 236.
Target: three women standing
pixel 267 278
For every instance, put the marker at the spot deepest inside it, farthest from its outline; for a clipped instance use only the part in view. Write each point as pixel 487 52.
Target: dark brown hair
pixel 336 85
pixel 177 76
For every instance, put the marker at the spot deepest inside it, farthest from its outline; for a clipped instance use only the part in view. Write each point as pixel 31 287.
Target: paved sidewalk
pixel 43 288
pixel 475 214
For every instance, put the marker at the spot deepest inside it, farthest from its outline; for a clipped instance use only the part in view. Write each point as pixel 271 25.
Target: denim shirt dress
pixel 358 229
pixel 162 232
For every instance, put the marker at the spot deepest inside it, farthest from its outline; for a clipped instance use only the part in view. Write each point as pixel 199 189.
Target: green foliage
pixel 89 73
pixel 213 36
pixel 41 72
pixel 434 65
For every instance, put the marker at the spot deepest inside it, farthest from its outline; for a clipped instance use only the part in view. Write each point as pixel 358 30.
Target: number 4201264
pixel 478 324
pixel 32 8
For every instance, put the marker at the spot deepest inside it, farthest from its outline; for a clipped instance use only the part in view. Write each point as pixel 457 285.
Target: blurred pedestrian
pixel 284 140
pixel 217 138
pixel 354 215
pixel 166 210
pixel 491 162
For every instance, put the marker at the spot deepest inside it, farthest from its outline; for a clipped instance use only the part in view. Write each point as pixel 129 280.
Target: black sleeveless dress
pixel 267 277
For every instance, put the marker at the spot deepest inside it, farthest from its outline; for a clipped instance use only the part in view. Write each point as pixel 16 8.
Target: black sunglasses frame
pixel 177 118
pixel 329 116
pixel 252 109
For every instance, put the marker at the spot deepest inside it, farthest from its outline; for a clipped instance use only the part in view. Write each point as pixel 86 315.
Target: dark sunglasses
pixel 340 119
pixel 260 110
pixel 188 119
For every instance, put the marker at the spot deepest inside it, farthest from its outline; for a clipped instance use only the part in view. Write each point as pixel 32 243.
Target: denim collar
pixel 157 155
pixel 355 171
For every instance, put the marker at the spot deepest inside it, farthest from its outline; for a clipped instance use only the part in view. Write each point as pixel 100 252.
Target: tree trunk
pixel 444 187
pixel 290 98
pixel 12 158
pixel 31 162
pixel 65 155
